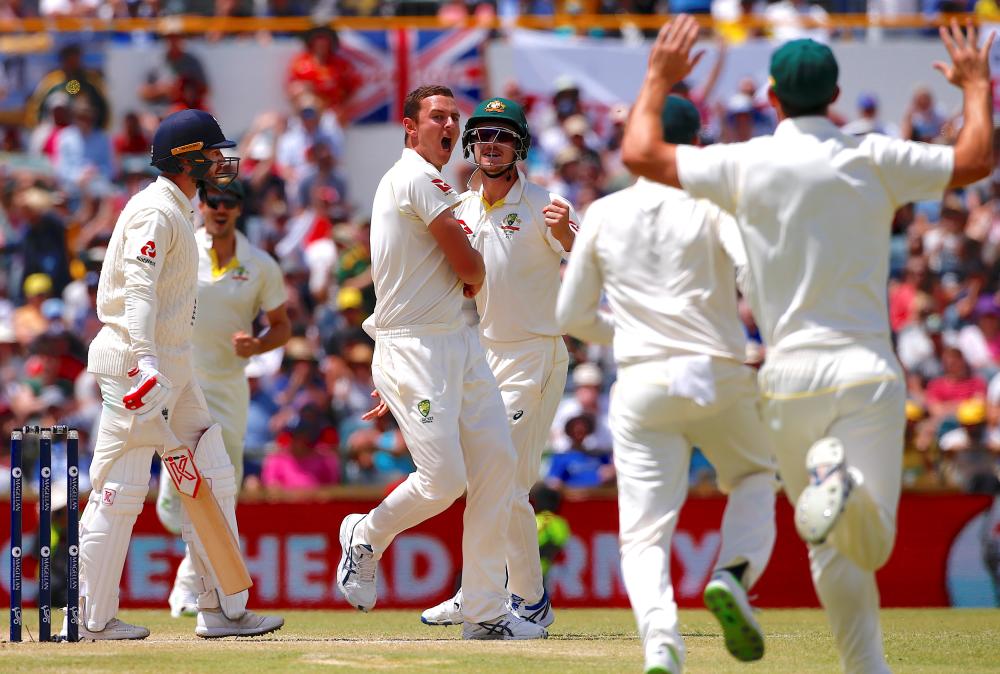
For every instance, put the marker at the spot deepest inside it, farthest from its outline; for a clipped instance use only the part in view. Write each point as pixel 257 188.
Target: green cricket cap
pixel 499 109
pixel 681 120
pixel 804 74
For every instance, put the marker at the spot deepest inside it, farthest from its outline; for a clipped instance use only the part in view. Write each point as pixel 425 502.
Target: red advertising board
pixel 942 556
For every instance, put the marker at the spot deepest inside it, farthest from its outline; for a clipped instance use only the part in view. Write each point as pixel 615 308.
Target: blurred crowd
pixel 67 172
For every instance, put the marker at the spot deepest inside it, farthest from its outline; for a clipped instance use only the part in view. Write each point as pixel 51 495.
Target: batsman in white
pixel 236 282
pixel 814 208
pixel 431 373
pixel 143 363
pixel 667 264
pixel 523 231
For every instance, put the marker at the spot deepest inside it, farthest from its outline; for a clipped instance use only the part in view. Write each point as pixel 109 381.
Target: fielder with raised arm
pixel 143 363
pixel 236 282
pixel 431 372
pixel 667 262
pixel 814 208
pixel 523 232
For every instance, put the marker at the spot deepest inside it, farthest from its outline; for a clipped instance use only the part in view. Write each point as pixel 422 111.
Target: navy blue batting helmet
pixel 183 132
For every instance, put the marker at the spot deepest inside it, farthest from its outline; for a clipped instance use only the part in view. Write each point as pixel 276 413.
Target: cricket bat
pixel 213 530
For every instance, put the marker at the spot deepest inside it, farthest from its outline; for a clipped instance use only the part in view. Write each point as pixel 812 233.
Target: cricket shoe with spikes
pixel 662 659
pixel 820 504
pixel 507 626
pixel 448 612
pixel 540 612
pixel 727 600
pixel 356 572
pixel 213 624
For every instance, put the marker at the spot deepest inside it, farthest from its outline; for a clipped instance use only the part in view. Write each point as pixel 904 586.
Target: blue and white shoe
pixel 356 571
pixel 540 613
pixel 448 612
pixel 820 504
pixel 508 626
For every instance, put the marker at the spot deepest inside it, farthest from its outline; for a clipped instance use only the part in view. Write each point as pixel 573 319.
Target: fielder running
pixel 523 232
pixel 143 364
pixel 431 372
pixel 666 262
pixel 236 282
pixel 814 208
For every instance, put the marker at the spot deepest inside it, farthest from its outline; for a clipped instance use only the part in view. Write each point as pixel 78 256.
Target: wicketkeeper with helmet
pixel 142 359
pixel 523 232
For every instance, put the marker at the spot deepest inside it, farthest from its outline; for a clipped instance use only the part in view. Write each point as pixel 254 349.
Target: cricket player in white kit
pixel 143 364
pixel 431 373
pixel 666 262
pixel 814 208
pixel 236 282
pixel 523 231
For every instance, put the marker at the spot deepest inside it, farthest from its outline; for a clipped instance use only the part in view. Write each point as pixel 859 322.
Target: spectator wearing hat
pixel 972 450
pixel 324 71
pixel 304 461
pixel 28 321
pixel 580 466
pixel 587 398
pixel 41 244
pixel 980 341
pixel 71 78
pixel 868 120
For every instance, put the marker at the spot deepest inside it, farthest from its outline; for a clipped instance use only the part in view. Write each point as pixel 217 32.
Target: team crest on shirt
pixel 424 407
pixel 240 274
pixel 511 224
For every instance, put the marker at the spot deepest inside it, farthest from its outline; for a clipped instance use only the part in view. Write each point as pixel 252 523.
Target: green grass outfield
pixel 925 640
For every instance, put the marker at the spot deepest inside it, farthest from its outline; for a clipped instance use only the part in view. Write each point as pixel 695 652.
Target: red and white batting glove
pixel 150 392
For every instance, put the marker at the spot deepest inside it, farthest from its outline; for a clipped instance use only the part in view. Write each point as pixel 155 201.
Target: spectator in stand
pixel 28 321
pixel 179 80
pixel 922 121
pixel 323 71
pixel 73 79
pixel 921 455
pixel 587 399
pixel 903 295
pixel 980 341
pixel 377 453
pixel 944 244
pixel 311 126
pixel 305 460
pixel 84 158
pixel 322 171
pixel 868 120
pixel 580 466
pixel 41 244
pixel 132 139
pixel 971 451
pixel 798 19
pixel 75 8
pixel 45 137
pixel 955 386
pixel 733 19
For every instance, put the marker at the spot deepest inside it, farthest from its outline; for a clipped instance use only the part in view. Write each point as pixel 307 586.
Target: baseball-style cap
pixel 681 120
pixel 804 74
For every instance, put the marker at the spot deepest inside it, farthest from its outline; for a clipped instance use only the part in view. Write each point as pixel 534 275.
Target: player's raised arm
pixel 454 243
pixel 970 72
pixel 643 150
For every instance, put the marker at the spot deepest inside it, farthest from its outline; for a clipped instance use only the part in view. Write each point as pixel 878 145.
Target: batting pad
pixel 105 531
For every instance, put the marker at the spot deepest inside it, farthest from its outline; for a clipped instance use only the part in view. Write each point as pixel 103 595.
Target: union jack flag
pixel 394 62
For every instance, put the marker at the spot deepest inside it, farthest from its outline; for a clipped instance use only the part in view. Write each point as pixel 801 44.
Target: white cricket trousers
pixel 531 375
pixel 228 401
pixel 855 394
pixel 120 471
pixel 653 433
pixel 437 384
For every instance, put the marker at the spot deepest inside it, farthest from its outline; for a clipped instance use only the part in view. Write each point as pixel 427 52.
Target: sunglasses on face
pixel 213 202
pixel 493 135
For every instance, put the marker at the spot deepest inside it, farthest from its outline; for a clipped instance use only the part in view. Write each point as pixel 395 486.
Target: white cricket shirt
pixel 229 300
pixel 660 257
pixel 414 284
pixel 814 207
pixel 522 258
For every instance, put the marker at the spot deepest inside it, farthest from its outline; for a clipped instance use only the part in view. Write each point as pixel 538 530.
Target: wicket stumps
pixel 45 531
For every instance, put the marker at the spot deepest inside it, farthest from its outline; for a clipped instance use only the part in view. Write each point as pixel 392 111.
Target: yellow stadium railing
pixel 578 22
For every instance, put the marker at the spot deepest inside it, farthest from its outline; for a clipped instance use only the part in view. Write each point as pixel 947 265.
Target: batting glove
pixel 150 392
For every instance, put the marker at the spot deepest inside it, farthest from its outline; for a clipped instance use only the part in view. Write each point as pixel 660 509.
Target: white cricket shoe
pixel 182 602
pixel 662 659
pixel 448 612
pixel 726 598
pixel 115 630
pixel 540 613
pixel 507 626
pixel 213 623
pixel 819 505
pixel 356 572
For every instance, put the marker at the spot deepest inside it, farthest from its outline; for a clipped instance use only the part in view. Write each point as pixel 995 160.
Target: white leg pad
pixel 217 470
pixel 105 530
pixel 168 505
